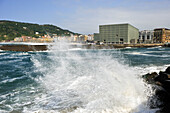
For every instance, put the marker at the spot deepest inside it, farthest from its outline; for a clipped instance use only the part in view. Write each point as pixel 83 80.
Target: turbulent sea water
pixel 78 80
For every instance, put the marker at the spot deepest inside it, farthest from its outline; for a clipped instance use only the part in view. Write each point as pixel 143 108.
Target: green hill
pixel 11 29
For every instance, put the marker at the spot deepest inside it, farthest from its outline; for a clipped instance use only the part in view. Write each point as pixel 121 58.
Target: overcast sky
pixel 84 16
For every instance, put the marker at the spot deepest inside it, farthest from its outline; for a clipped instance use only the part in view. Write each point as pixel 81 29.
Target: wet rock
pixel 149 78
pixel 162 77
pixel 167 70
pixel 161 85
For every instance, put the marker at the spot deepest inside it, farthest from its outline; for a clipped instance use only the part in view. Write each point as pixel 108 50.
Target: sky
pixel 85 16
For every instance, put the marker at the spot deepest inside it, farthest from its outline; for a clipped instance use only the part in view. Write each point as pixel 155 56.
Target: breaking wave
pixel 88 81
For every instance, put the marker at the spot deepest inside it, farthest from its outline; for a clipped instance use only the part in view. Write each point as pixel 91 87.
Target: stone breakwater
pixel 43 47
pixel 24 48
pixel 108 46
pixel 161 85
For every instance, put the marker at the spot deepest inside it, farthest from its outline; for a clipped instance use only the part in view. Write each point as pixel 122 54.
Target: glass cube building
pixel 118 33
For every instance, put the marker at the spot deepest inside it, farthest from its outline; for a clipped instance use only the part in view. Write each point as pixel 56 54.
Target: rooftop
pixel 161 29
pixel 118 24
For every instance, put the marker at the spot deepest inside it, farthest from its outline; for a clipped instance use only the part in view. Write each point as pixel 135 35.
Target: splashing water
pixel 87 81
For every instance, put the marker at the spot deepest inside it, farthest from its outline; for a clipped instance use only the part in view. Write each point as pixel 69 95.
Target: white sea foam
pixel 147 54
pixel 21 53
pixel 151 68
pixel 88 82
pixel 154 47
pixel 128 47
pixel 11 80
pixel 74 49
pixel 3 54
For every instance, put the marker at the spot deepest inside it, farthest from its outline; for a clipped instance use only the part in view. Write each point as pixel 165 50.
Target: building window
pixel 121 39
pixel 143 37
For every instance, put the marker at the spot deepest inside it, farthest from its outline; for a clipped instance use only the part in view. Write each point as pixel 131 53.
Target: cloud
pixel 87 20
pixel 146 14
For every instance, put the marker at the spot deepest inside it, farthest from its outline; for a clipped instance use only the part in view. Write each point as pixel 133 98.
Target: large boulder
pixel 162 77
pixel 161 85
pixel 149 78
pixel 167 70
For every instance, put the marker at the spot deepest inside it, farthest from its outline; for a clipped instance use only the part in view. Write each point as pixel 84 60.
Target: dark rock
pixel 166 86
pixel 161 85
pixel 161 77
pixel 163 100
pixel 167 70
pixel 150 77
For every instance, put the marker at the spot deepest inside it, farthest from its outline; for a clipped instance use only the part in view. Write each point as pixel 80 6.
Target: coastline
pixel 161 85
pixel 44 46
pixel 80 65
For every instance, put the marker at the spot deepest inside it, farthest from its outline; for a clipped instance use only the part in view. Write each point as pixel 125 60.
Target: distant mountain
pixel 11 29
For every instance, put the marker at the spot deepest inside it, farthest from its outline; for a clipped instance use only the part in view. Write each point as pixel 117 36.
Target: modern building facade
pixel 146 36
pixel 118 33
pixel 96 37
pixel 162 35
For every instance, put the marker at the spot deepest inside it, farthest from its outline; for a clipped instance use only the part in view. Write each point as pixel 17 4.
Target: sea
pixel 76 80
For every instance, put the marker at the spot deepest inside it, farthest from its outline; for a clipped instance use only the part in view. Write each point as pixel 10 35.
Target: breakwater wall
pixel 24 48
pixel 43 47
pixel 110 46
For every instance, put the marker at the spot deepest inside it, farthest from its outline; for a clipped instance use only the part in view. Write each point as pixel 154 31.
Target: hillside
pixel 11 29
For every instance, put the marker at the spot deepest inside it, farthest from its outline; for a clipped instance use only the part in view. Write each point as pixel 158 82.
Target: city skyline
pixel 84 16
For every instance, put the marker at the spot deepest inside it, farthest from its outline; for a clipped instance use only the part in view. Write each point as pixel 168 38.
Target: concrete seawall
pixel 43 47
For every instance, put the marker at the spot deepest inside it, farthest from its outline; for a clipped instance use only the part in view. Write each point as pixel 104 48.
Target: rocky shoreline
pixel 160 83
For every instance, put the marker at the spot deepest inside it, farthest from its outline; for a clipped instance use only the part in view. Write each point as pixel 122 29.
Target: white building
pixel 90 37
pixel 146 36
pixel 36 33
